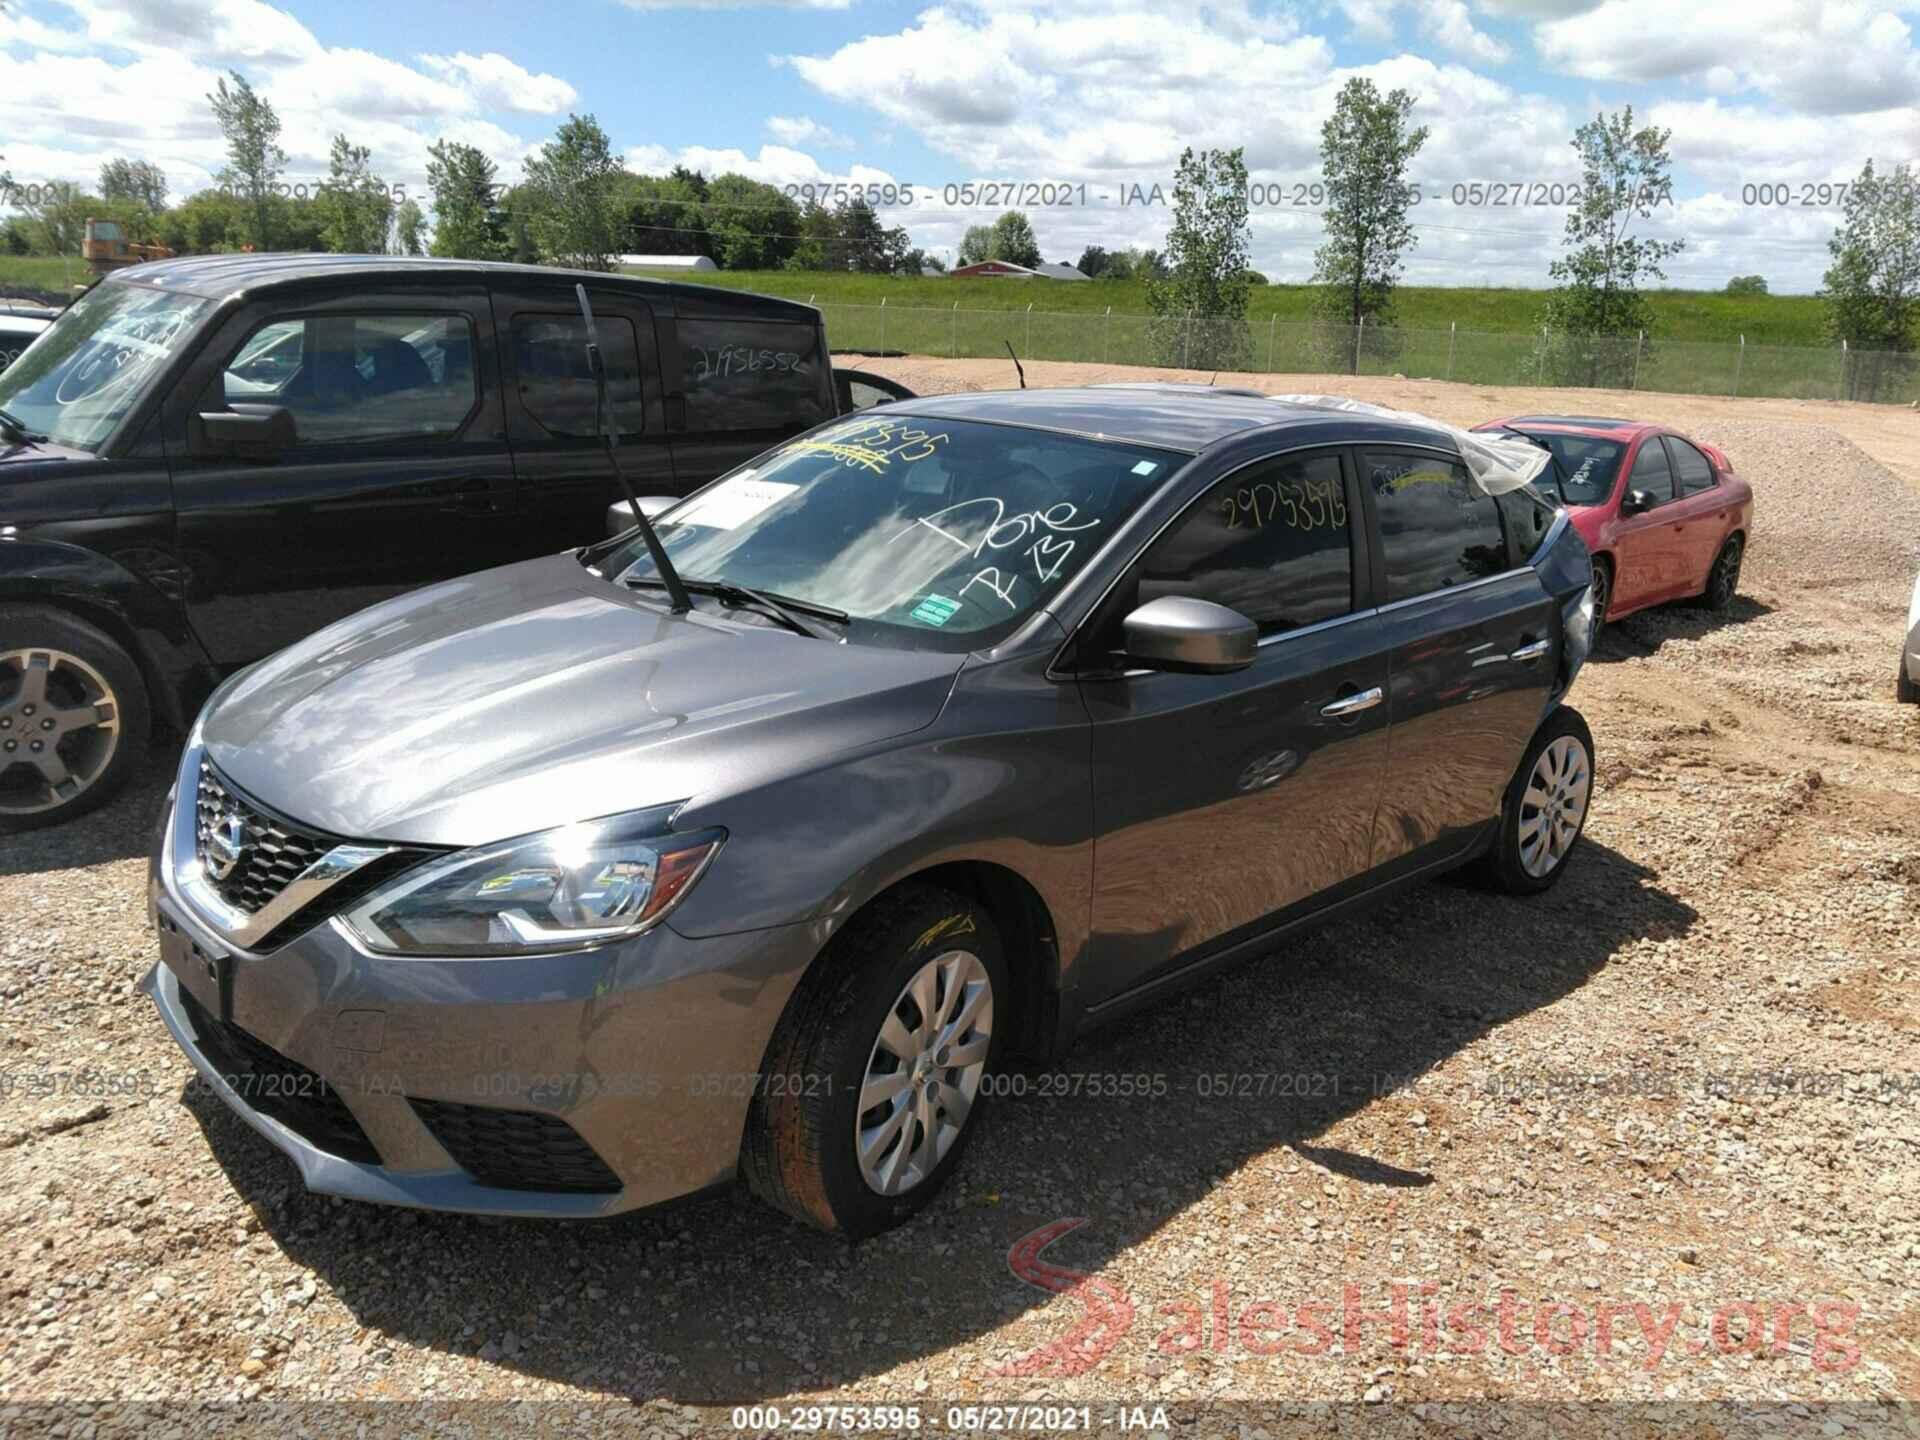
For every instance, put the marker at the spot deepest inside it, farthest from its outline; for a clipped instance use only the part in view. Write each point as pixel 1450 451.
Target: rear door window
pixel 349 379
pixel 1691 470
pixel 556 384
pixel 1437 528
pixel 753 374
pixel 1273 541
pixel 1651 472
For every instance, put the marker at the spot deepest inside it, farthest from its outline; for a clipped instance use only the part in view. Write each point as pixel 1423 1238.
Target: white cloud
pixel 131 77
pixel 1450 25
pixel 1825 59
pixel 496 83
pixel 804 130
pixel 736 4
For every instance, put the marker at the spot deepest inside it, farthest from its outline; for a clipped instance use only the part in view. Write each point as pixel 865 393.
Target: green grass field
pixel 1683 315
pixel 44 273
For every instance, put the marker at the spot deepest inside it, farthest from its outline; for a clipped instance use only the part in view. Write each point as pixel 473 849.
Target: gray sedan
pixel 993 717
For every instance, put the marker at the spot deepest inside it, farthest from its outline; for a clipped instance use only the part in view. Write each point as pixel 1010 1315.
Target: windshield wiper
pixel 1559 470
pixel 17 430
pixel 787 612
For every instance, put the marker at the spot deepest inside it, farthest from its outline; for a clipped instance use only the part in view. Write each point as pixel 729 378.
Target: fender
pixel 133 610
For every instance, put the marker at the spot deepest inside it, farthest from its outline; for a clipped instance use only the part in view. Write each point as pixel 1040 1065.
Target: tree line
pixel 577 205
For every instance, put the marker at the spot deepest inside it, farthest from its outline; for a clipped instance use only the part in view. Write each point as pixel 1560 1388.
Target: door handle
pixel 1527 654
pixel 1353 704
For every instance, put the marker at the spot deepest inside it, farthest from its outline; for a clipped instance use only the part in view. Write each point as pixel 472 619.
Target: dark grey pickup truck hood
pixel 536 695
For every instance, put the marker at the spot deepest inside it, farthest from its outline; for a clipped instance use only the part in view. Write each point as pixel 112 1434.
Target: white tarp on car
pixel 1498 463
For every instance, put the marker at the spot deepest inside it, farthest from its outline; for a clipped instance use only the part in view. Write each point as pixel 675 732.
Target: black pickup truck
pixel 206 459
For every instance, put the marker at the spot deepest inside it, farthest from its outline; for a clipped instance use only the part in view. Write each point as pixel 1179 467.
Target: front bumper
pixel 422 1082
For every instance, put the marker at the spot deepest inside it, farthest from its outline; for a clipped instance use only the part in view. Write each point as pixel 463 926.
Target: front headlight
pixel 562 889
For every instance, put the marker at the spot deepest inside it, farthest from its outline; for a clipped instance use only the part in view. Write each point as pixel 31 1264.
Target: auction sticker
pixel 733 502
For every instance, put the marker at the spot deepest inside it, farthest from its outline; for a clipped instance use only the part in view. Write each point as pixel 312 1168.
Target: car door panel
pixel 1221 800
pixel 390 485
pixel 1648 563
pixel 565 481
pixel 1700 515
pixel 1470 671
pixel 740 382
pixel 1470 636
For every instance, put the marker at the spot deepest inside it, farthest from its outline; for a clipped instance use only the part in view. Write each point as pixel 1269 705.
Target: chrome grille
pixel 276 849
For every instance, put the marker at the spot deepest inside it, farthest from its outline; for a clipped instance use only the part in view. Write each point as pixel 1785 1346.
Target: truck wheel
pixel 73 717
pixel 873 1080
pixel 1545 809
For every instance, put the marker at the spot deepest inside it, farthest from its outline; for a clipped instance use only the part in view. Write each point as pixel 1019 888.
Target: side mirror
pixel 1634 501
pixel 620 513
pixel 244 432
pixel 1177 632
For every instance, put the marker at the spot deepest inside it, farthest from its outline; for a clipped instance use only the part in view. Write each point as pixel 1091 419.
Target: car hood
pixel 537 695
pixel 16 458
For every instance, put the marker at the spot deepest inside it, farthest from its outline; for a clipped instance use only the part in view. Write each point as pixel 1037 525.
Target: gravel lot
pixel 1685 1078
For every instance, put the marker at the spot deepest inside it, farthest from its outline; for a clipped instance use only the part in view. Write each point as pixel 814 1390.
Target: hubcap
pixel 1554 805
pixel 924 1072
pixel 59 729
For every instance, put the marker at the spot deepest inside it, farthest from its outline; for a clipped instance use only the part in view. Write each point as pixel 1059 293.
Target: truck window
pixel 753 374
pixel 556 387
pixel 351 379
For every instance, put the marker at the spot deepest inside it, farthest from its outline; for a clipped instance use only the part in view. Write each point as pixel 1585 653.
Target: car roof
pixel 222 277
pixel 1598 425
pixel 1162 414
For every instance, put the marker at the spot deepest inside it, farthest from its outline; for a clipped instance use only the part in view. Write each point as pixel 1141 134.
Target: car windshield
pixel 926 533
pixel 79 379
pixel 1587 466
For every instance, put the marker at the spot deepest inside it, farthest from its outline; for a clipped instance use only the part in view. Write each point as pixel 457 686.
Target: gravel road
pixel 1688 1079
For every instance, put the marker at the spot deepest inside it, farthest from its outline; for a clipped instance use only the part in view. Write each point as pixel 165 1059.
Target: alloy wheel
pixel 924 1072
pixel 59 729
pixel 1553 806
pixel 1726 575
pixel 1602 587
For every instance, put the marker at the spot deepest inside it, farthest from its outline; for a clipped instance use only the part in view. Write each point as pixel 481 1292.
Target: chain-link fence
pixel 1475 356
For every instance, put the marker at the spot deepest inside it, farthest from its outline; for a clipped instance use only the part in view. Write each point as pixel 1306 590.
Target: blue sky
pixel 1788 93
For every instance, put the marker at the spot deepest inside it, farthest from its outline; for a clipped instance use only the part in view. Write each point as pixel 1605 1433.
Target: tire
pixel 1602 598
pixel 1904 688
pixel 68 688
pixel 1514 865
pixel 801 1153
pixel 1723 580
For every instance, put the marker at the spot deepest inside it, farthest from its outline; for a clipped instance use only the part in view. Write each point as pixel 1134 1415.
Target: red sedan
pixel 1665 517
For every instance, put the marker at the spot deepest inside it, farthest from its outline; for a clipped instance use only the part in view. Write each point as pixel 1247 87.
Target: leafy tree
pixel 751 224
pixel 818 233
pixel 1093 262
pixel 138 181
pixel 1012 240
pixel 354 204
pixel 571 189
pixel 1747 285
pixel 409 229
pixel 254 157
pixel 668 215
pixel 1256 277
pixel 1366 146
pixel 976 245
pixel 1624 178
pixel 466 224
pixel 1201 304
pixel 206 221
pixel 1872 289
pixel 865 244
